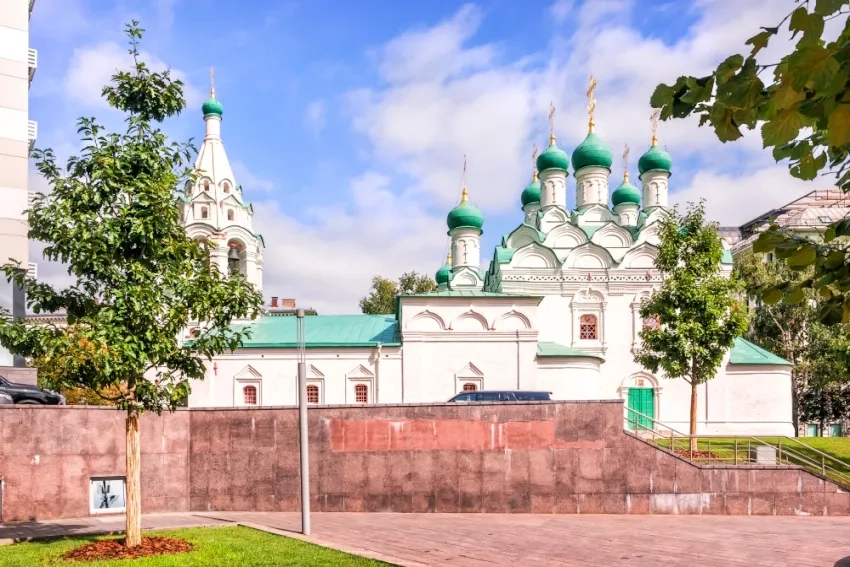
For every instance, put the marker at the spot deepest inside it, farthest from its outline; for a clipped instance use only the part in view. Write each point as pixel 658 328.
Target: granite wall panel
pixel 558 457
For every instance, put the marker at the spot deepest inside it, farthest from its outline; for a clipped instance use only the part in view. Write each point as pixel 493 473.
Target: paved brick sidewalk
pixel 521 540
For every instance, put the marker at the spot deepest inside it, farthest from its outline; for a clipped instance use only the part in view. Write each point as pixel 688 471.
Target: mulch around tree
pixel 115 549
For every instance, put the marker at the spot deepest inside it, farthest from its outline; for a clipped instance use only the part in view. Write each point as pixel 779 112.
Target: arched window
pixel 204 213
pixel 470 387
pixel 588 328
pixel 206 184
pixel 361 393
pixel 312 394
pixel 226 186
pixel 249 395
pixel 230 214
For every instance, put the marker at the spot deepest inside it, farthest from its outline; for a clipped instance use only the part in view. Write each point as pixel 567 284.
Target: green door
pixel 835 430
pixel 641 400
pixel 811 430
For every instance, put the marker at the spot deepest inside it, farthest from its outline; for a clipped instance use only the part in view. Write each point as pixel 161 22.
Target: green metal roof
pixel 745 352
pixel 325 331
pixel 727 257
pixel 504 255
pixel 549 349
pixel 467 293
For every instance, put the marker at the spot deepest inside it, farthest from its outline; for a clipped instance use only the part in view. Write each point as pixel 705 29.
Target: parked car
pixel 6 399
pixel 28 394
pixel 502 396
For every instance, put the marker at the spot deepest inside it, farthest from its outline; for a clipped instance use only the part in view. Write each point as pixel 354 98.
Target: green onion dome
pixel 465 215
pixel 531 194
pixel 626 193
pixel 553 157
pixel 655 159
pixel 212 106
pixel 444 274
pixel 592 152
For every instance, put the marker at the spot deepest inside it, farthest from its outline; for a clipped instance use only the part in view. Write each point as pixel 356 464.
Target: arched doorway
pixel 640 392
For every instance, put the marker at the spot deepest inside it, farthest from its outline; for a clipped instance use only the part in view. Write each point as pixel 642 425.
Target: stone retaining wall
pixel 548 457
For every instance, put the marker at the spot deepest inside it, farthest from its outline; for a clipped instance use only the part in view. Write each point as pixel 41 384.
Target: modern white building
pixel 556 309
pixel 18 63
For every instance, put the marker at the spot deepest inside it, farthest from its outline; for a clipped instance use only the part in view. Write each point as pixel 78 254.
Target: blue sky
pixel 347 122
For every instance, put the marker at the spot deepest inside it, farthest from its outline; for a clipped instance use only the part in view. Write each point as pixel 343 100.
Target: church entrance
pixel 641 400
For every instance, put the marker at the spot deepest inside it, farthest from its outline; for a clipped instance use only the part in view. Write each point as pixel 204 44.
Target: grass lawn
pixel 228 546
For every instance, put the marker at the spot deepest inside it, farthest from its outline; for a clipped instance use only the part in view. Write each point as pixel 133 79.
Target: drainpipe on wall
pixel 377 371
pixel 518 387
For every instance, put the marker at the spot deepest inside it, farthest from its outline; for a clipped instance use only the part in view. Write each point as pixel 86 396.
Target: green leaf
pixel 812 64
pixel 825 293
pixel 834 260
pixel 829 7
pixel 794 295
pixel 662 96
pixel 810 24
pixel 772 296
pixel 759 41
pixel 786 95
pixel 829 235
pixel 782 129
pixel 722 118
pixel 804 256
pixel 838 127
pixel 728 68
pixel 842 228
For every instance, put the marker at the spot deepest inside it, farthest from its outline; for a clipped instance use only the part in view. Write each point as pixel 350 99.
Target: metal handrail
pixel 785 454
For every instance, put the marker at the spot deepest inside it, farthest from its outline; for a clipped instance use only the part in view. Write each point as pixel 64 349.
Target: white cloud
pixel 91 68
pixel 382 234
pixel 732 200
pixel 561 9
pixel 248 180
pixel 314 120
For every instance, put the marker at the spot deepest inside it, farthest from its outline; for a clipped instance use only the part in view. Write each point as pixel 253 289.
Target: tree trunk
pixel 693 430
pixel 134 484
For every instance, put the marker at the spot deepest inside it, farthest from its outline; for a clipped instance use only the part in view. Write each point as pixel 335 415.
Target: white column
pixel 553 188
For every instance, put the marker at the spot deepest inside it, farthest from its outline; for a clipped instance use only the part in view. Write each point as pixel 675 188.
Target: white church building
pixel 556 308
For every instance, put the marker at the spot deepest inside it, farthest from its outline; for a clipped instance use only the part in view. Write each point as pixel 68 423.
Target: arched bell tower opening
pixel 237 258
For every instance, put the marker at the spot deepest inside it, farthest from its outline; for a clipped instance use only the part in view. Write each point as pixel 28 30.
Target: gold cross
pixel 463 195
pixel 551 123
pixel 591 103
pixel 626 163
pixel 212 82
pixel 534 164
pixel 654 117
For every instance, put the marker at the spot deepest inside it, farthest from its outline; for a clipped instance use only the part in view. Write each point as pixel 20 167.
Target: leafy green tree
pixel 382 295
pixel 804 115
pixel 698 315
pixel 112 218
pixel 781 328
pixel 826 397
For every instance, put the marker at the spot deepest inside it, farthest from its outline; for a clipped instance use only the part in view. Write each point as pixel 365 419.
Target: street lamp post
pixel 302 425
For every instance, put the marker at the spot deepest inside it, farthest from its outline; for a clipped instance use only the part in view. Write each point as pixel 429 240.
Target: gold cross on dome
pixel 534 163
pixel 591 102
pixel 654 118
pixel 212 82
pixel 626 163
pixel 551 123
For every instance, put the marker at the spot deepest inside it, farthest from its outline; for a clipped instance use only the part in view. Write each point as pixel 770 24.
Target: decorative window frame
pixel 469 374
pixel 93 482
pixel 315 377
pixel 637 320
pixel 360 375
pixel 318 387
pixel 589 302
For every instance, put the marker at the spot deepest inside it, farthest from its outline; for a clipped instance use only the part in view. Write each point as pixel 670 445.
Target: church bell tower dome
pixel 212 107
pixel 592 152
pixel 655 159
pixel 465 215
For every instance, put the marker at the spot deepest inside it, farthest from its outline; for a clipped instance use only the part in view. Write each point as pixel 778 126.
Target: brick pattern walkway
pixel 475 540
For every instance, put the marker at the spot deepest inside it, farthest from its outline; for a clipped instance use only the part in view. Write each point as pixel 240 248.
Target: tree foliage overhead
pixel 804 115
pixel 112 218
pixel 697 314
pixel 382 294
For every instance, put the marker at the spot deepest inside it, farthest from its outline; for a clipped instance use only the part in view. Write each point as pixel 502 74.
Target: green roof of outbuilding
pixel 727 258
pixel 745 352
pixel 553 350
pixel 325 331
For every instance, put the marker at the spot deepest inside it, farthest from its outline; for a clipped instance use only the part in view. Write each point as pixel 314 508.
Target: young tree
pixel 698 315
pixel 781 328
pixel 804 116
pixel 381 298
pixel 112 218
